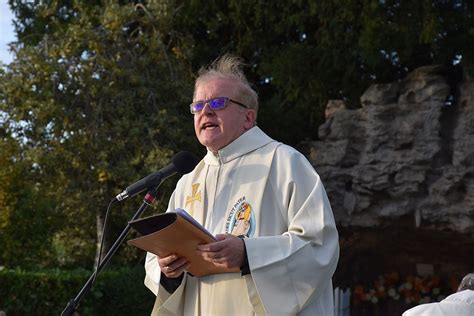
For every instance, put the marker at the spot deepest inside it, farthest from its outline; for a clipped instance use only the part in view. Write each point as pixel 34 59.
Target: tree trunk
pixel 100 232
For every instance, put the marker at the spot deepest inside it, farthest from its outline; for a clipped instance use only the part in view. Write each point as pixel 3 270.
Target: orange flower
pixel 419 284
pixel 380 293
pixel 358 294
pixel 358 290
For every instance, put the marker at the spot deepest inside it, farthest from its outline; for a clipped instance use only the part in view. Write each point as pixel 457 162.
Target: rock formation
pixel 407 152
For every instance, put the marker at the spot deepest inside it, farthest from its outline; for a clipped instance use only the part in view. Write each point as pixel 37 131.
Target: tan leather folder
pixel 176 232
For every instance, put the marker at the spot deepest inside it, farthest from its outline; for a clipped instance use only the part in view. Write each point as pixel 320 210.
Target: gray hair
pixel 467 282
pixel 230 67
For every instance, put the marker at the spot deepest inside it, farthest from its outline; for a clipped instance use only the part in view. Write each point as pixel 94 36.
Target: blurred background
pixel 94 96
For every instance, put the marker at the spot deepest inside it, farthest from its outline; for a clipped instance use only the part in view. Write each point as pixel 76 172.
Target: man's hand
pixel 226 252
pixel 173 266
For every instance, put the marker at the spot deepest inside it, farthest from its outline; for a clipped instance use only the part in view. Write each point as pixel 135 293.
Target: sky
pixel 7 34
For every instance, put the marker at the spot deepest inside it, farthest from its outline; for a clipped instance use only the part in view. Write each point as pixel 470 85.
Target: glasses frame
pixel 226 99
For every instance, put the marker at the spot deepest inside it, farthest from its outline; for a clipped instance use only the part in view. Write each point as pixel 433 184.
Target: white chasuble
pixel 269 193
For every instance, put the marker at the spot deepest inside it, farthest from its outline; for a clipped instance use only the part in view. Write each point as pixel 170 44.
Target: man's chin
pixel 211 146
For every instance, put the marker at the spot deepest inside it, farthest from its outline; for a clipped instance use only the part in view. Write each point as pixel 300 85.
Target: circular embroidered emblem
pixel 241 219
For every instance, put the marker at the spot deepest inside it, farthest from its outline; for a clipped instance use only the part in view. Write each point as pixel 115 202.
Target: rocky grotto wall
pixel 408 152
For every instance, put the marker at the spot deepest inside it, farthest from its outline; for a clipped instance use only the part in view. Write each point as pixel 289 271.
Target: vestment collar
pixel 249 141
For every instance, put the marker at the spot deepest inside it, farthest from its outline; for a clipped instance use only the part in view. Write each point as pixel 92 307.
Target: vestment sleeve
pixel 164 300
pixel 152 269
pixel 295 267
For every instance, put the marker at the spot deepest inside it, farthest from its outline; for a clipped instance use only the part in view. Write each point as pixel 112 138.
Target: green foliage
pixel 96 104
pixel 303 53
pixel 48 292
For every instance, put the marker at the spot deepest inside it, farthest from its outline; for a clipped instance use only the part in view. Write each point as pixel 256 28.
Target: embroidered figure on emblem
pixel 241 221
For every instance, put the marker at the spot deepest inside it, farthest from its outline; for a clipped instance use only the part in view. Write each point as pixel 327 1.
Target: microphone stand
pixel 74 303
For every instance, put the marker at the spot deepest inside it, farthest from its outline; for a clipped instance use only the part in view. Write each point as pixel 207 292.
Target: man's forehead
pixel 216 85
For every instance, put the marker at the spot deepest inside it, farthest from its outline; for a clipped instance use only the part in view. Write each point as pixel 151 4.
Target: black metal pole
pixel 74 303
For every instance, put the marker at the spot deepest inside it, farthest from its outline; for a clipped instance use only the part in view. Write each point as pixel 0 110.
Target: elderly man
pixel 264 202
pixel 460 303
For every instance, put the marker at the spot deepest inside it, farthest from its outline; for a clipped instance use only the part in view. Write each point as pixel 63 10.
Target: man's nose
pixel 206 110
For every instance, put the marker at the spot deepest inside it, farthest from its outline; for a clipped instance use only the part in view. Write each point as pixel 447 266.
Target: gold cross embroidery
pixel 196 196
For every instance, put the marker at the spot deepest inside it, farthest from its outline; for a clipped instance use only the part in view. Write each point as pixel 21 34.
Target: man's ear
pixel 250 118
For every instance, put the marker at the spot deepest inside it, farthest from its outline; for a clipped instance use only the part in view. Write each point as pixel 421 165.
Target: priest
pixel 276 236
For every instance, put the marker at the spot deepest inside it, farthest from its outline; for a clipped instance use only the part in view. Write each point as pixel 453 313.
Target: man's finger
pixel 213 247
pixel 176 264
pixel 220 237
pixel 176 268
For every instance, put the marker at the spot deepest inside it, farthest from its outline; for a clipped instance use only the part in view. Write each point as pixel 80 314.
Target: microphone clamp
pixel 122 196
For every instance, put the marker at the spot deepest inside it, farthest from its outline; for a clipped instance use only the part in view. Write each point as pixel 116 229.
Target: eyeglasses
pixel 214 104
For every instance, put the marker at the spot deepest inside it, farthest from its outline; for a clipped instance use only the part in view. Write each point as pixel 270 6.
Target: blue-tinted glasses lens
pixel 217 103
pixel 198 106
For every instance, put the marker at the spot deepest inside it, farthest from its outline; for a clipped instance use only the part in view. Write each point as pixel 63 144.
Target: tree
pixel 303 53
pixel 98 102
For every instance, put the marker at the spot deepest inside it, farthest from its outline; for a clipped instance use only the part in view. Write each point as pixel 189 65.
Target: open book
pixel 179 233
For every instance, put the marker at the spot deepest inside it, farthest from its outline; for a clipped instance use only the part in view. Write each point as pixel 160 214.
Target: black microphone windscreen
pixel 184 162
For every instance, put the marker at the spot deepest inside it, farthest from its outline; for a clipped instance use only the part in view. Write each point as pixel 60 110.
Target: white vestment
pixel 270 193
pixel 457 304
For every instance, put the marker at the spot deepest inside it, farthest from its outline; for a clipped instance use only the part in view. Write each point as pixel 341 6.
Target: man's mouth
pixel 208 126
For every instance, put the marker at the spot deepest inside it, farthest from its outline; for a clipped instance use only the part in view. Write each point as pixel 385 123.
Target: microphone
pixel 183 162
